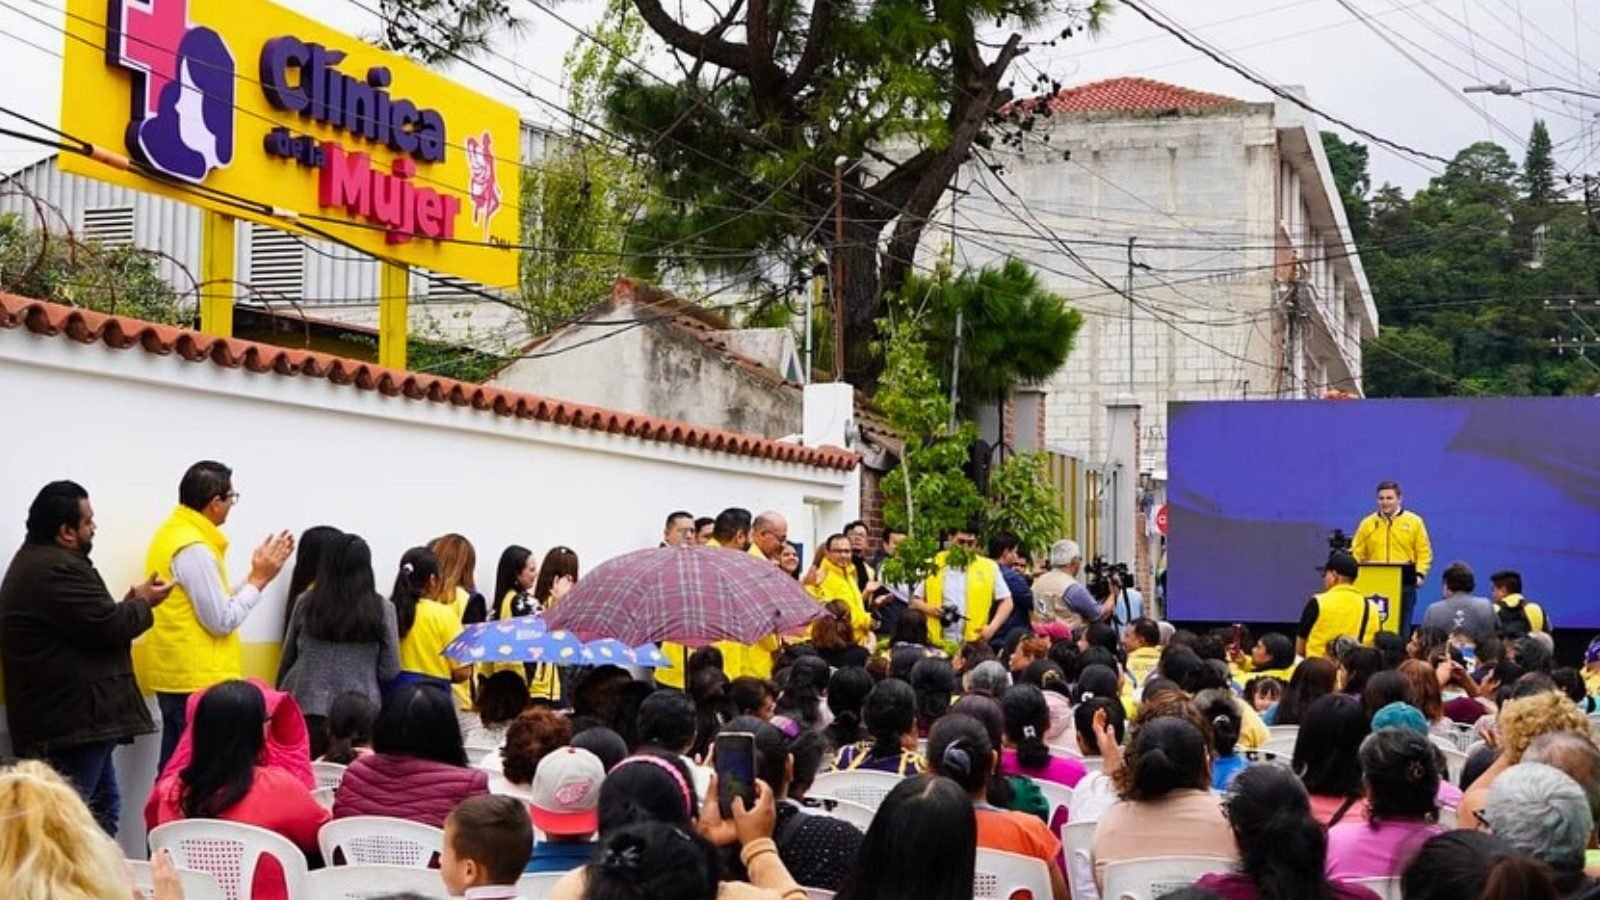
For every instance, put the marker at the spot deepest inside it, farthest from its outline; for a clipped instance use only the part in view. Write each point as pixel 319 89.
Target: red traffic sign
pixel 1161 520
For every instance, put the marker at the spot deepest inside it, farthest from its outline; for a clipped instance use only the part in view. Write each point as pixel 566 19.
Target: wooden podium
pixel 1383 583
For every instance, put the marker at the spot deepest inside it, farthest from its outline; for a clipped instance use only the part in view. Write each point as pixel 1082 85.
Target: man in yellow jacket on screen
pixel 1395 535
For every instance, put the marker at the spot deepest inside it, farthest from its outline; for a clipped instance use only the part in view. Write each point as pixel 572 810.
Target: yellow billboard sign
pixel 252 110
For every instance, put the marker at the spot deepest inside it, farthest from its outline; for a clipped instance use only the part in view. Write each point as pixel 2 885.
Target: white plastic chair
pixel 362 882
pixel 866 788
pixel 1387 888
pixel 229 852
pixel 478 753
pixel 1278 731
pixel 1064 752
pixel 1057 795
pixel 1093 763
pixel 196 885
pixel 538 885
pixel 1282 746
pixel 380 840
pixel 1147 879
pixel 1448 818
pixel 1000 874
pixel 856 814
pixel 1077 843
pixel 818 894
pixel 324 797
pixel 328 774
pixel 1454 760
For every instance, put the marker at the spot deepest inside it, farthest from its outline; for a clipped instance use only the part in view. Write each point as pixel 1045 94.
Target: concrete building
pixel 1223 218
pixel 279 272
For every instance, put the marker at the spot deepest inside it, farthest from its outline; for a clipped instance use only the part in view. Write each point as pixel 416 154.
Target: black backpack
pixel 1511 620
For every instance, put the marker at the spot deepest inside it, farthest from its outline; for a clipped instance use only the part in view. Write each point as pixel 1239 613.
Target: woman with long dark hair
pixel 515 579
pixel 1027 718
pixel 1327 755
pixel 960 749
pixel 1281 847
pixel 557 574
pixel 933 680
pixel 799 705
pixel 225 779
pixel 418 767
pixel 1164 786
pixel 1312 679
pixel 342 638
pixel 891 717
pixel 424 626
pixel 847 697
pixel 1402 778
pixel 932 814
pixel 307 559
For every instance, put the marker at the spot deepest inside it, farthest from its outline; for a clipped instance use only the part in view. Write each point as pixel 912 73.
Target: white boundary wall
pixel 305 451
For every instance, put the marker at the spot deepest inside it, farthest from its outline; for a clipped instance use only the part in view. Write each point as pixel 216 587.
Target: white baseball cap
pixel 565 794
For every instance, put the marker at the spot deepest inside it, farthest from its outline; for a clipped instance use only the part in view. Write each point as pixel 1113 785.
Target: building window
pixel 109 225
pixel 277 265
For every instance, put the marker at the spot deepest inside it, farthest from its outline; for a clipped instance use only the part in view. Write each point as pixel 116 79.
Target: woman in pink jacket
pixel 223 771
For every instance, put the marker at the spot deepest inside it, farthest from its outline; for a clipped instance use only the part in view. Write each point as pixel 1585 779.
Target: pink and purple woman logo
pixel 181 121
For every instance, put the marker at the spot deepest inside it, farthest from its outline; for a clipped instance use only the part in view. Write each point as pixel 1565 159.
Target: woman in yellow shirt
pixel 425 626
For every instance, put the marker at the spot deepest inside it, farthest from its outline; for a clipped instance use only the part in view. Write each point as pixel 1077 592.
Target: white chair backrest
pixel 1472 748
pixel 1454 760
pixel 856 814
pixel 324 797
pixel 1077 843
pixel 1000 874
pixel 1064 752
pixel 366 881
pixel 1282 746
pixel 196 885
pixel 1464 735
pixel 1093 763
pixel 478 753
pixel 1147 879
pixel 1057 795
pixel 1387 888
pixel 229 852
pixel 328 774
pixel 538 885
pixel 818 894
pixel 863 787
pixel 1279 731
pixel 1448 818
pixel 380 840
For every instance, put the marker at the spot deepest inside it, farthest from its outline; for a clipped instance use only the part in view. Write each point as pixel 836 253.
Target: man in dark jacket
pixel 70 694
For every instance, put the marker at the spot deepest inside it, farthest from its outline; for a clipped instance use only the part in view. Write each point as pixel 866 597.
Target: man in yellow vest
pixel 1506 592
pixel 1339 611
pixel 1395 535
pixel 964 604
pixel 833 578
pixel 731 532
pixel 194 643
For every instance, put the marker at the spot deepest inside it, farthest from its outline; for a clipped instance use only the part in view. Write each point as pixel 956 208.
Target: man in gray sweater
pixel 1460 610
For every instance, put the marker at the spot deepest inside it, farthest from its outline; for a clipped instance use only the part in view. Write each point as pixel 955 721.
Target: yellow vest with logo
pixel 982 573
pixel 1339 611
pixel 177 655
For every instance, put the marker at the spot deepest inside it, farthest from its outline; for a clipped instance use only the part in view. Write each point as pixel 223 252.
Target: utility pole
pixel 838 269
pixel 955 372
pixel 1131 241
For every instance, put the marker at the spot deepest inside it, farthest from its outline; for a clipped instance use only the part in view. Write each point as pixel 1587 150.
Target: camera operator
pixel 1060 601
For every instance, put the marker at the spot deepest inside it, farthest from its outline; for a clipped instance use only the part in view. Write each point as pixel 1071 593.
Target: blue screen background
pixel 1256 487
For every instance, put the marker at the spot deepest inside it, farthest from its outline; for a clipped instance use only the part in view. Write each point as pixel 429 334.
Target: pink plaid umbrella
pixel 691 595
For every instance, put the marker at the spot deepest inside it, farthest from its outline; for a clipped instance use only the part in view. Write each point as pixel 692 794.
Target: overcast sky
pixel 1347 68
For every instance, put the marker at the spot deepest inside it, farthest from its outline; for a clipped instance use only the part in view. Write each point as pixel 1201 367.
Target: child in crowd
pixel 487 841
pixel 565 802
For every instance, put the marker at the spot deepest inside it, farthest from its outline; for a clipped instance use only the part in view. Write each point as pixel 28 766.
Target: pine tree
pixel 1539 168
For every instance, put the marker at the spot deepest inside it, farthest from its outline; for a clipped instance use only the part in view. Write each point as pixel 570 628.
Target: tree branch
pixel 726 54
pixel 811 56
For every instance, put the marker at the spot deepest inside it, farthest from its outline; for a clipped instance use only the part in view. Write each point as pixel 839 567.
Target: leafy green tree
pixel 1024 502
pixel 926 494
pixel 771 95
pixel 1348 162
pixel 1013 330
pixel 120 280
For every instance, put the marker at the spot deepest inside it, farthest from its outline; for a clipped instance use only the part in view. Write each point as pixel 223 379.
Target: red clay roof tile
pixel 1120 94
pixel 120 332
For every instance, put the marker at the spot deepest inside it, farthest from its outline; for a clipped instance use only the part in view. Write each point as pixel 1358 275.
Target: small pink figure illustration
pixel 485 187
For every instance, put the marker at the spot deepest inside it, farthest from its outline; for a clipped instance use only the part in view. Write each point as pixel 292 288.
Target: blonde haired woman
pixel 51 848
